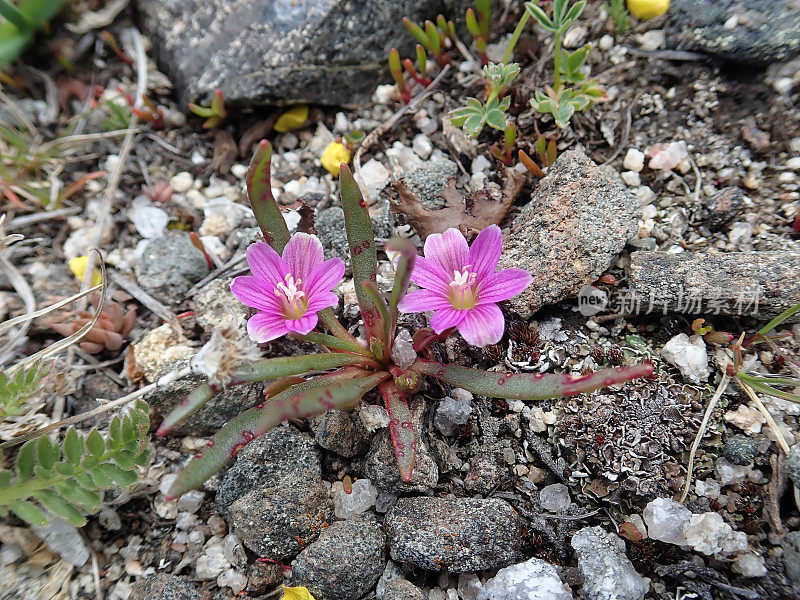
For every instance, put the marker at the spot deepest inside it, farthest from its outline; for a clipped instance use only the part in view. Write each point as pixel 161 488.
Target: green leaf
pixel 496 118
pixel 196 400
pixel 541 17
pixel 574 13
pixel 402 277
pixel 28 513
pixel 576 59
pixel 117 474
pixel 95 443
pixel 416 32
pixel 259 190
pixel 363 254
pixel 60 508
pixel 26 460
pixel 46 453
pixel 401 428
pixel 115 432
pixel 474 124
pixel 472 23
pixel 528 386
pixel 562 114
pixel 77 494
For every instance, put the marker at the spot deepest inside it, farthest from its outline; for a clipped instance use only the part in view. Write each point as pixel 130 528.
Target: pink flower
pixel 290 290
pixel 462 286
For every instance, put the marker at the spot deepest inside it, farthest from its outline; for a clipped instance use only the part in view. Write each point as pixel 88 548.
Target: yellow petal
pixel 296 593
pixel 647 9
pixel 333 156
pixel 291 119
pixel 78 267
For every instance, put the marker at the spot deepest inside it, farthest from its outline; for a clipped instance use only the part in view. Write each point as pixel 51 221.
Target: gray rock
pixel 341 432
pixel 429 179
pixel 330 228
pixel 216 307
pixel 164 587
pixel 265 461
pixel 455 535
pixel 261 576
pixel 793 464
pixel 359 544
pixel 277 522
pixel 380 464
pixel 606 572
pixel 579 218
pixel 740 449
pixel 645 243
pixel 214 414
pixel 762 32
pixel 401 589
pixel 723 207
pixel 483 475
pixel 280 51
pixel 169 267
pixel 791 557
pixel 760 284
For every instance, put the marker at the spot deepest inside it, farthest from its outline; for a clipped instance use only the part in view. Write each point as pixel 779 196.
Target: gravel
pixel 164 587
pixel 169 267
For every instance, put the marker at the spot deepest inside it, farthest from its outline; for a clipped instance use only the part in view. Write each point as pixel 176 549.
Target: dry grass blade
pixel 43 311
pixel 75 337
pixel 723 385
pixel 763 409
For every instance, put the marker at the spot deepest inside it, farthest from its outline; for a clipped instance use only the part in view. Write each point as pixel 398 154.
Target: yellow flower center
pixel 294 301
pixel 463 294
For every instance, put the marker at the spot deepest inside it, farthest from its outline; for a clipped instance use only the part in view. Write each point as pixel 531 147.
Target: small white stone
pixel 340 123
pixel 783 85
pixel 645 195
pixel 555 497
pixel 422 146
pixel 477 181
pixel 793 163
pixel 745 418
pixel 403 353
pixel 166 482
pixel 750 565
pixel 182 182
pixel 709 534
pixel 150 221
pixel 361 498
pixel 651 40
pixel 212 562
pixel 480 164
pixel 384 94
pixel 740 232
pixel 667 156
pixel 111 162
pixel 239 171
pixel 373 417
pixel 631 178
pixel 233 550
pixel 634 160
pixel 689 355
pixel 731 474
pixel 606 43
pixel 469 586
pixel 232 579
pixel 649 211
pixel 534 579
pixel 450 413
pixel 665 519
pixel 64 539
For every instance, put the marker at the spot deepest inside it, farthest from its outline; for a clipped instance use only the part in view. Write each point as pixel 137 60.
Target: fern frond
pixel 64 480
pixel 18 388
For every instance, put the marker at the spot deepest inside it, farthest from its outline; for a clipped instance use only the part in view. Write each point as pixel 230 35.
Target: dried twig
pixel 148 301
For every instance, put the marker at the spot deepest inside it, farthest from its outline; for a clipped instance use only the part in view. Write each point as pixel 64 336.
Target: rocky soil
pixel 675 199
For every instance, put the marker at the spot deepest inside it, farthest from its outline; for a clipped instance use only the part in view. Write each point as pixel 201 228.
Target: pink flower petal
pixel 483 325
pixel 255 292
pixel 324 277
pixel 446 318
pixel 503 285
pixel 448 250
pixel 303 254
pixel 322 300
pixel 266 326
pixel 428 274
pixel 302 325
pixel 484 253
pixel 423 300
pixel 264 262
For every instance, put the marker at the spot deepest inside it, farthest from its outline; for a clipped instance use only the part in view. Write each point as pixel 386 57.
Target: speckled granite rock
pixel 279 51
pixel 578 220
pixel 169 267
pixel 265 461
pixel 164 587
pixel 278 521
pixel 216 306
pixel 341 432
pixel 735 283
pixel 401 589
pixel 749 31
pixel 214 414
pixel 606 572
pixel 455 535
pixel 345 562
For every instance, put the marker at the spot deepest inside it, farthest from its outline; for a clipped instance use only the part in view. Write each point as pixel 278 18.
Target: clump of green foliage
pixel 64 480
pixel 214 114
pixel 18 388
pixel 21 24
pixel 619 15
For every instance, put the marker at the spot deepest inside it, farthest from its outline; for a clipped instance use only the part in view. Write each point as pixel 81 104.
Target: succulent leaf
pixel 401 428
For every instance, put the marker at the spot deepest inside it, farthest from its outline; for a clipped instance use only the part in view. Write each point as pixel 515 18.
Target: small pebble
pixel 182 182
pixel 634 160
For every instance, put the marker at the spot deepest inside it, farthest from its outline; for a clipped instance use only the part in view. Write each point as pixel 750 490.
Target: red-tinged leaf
pixel 317 396
pixel 402 276
pixel 528 386
pixel 267 213
pixel 401 428
pixel 196 400
pixel 363 254
pixel 78 184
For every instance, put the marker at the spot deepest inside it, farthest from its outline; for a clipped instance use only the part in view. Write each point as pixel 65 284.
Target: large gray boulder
pixel 283 51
